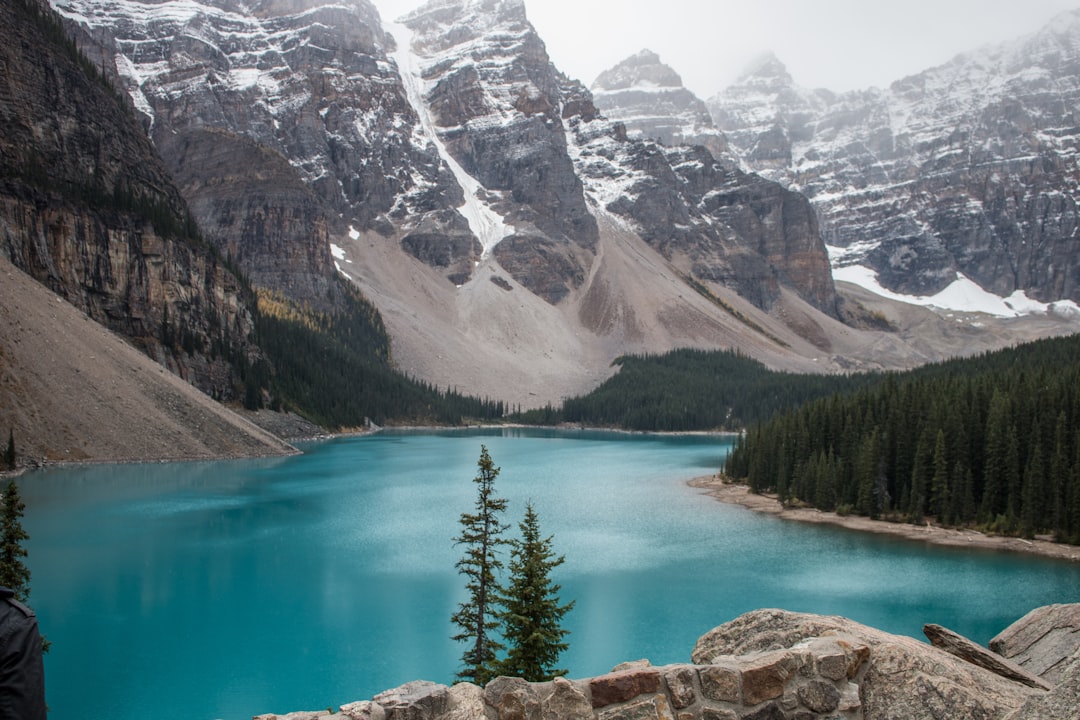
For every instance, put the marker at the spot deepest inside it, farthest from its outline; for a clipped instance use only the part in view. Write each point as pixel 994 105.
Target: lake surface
pixel 224 590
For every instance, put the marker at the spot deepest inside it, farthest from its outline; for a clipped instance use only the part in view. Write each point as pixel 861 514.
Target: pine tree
pixel 9 454
pixel 14 575
pixel 532 614
pixel 477 617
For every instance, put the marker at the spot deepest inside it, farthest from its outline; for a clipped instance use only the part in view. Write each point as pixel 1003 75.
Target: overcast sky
pixel 834 44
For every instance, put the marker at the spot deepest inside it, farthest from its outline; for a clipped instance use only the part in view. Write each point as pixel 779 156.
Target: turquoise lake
pixel 229 589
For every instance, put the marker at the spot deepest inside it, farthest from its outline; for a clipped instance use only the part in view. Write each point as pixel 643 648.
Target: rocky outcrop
pixel 976 654
pixel 1042 642
pixel 649 98
pixel 499 106
pixel 764 665
pixel 88 209
pixel 970 167
pixel 716 223
pixel 282 124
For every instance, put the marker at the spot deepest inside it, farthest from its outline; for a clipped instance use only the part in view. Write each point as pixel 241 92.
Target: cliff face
pixel 970 167
pixel 87 208
pixel 716 223
pixel 499 107
pixel 648 97
pixel 282 121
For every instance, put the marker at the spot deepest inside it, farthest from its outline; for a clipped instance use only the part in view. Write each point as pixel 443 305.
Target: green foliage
pixel 531 615
pixel 693 390
pixel 13 572
pixel 478 617
pixel 9 453
pixel 335 369
pixel 987 442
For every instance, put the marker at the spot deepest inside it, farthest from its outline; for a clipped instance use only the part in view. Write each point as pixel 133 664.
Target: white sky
pixel 835 44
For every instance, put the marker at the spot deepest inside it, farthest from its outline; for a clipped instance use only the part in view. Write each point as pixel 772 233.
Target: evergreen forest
pixel 335 369
pixel 991 442
pixel 689 389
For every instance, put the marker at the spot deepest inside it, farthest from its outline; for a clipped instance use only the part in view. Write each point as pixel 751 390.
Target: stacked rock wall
pixel 765 665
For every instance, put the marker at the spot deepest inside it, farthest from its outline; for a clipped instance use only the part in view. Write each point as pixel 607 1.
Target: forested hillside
pixel 335 369
pixel 694 390
pixel 991 442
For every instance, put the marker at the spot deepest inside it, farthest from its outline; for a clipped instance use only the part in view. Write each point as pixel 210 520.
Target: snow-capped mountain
pixel 514 240
pixel 966 172
pixel 649 98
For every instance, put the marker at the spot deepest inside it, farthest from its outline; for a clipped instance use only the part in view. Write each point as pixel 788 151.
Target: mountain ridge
pixel 964 170
pixel 304 153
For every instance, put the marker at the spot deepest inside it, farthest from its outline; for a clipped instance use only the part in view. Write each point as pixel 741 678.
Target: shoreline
pixel 735 494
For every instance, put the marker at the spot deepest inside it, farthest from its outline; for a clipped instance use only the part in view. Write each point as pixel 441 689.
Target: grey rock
pixel 416 700
pixel 466 703
pixel 920 183
pixel 649 98
pixel 972 652
pixel 1061 703
pixel 896 676
pixel 820 697
pixel 363 710
pixel 680 685
pixel 650 708
pixel 566 702
pixel 1043 641
pixel 513 699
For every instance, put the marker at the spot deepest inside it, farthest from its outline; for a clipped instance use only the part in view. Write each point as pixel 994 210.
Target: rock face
pixel 296 122
pixel 976 654
pixel 280 123
pixel 716 223
pixel 970 167
pixel 648 97
pixel 1042 642
pixel 765 665
pixel 88 209
pixel 498 106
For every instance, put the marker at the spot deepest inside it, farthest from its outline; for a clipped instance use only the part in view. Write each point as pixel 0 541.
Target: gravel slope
pixel 72 391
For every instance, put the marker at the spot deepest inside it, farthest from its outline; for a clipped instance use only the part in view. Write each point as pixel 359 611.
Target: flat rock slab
pixel 958 645
pixel 1043 641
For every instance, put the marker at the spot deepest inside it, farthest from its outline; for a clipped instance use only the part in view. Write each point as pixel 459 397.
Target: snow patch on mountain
pixel 963 296
pixel 486 224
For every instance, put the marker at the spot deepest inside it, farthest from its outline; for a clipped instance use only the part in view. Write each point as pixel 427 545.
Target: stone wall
pixel 765 665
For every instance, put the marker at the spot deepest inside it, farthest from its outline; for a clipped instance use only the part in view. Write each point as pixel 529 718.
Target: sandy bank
pixel 741 495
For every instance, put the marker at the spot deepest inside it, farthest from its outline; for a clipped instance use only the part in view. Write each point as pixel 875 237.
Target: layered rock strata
pixel 88 209
pixel 649 98
pixel 970 167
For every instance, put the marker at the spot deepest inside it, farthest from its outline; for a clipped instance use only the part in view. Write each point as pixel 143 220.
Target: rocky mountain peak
pixel 649 98
pixel 497 105
pixel 966 172
pixel 644 68
pixel 766 70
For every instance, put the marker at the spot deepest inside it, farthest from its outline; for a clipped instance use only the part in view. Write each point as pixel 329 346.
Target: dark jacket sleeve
pixel 22 672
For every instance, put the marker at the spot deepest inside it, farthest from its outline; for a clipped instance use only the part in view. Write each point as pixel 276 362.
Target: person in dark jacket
pixel 22 672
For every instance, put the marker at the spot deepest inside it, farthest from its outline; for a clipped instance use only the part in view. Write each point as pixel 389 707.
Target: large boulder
pixel 1043 641
pixel 1061 703
pixel 976 654
pixel 901 676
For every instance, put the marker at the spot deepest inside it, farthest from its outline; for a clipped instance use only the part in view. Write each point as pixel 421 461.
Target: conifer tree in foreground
pixel 532 614
pixel 13 572
pixel 9 453
pixel 477 617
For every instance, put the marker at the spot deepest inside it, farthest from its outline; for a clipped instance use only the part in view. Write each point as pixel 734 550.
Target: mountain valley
pixel 517 231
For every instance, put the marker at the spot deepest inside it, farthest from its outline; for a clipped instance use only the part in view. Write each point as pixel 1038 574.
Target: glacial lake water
pixel 197 591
